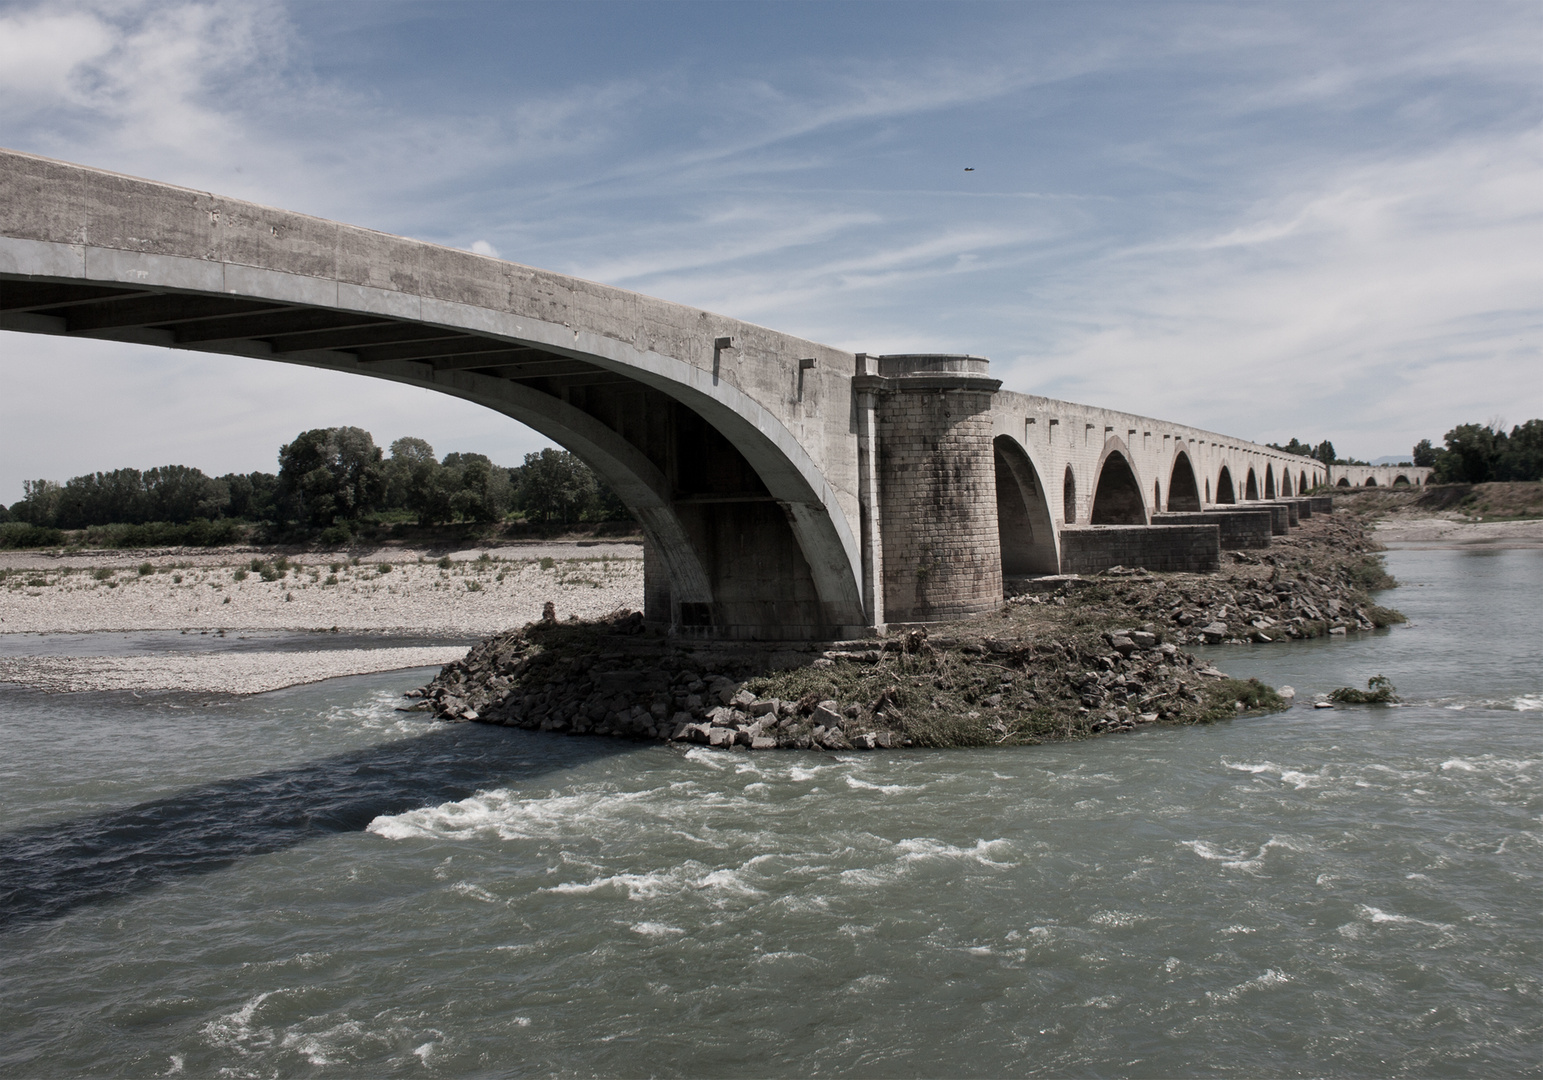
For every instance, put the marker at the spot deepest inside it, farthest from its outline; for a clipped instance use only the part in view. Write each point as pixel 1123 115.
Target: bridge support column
pixel 939 553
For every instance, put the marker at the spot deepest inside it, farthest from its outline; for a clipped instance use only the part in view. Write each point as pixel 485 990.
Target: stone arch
pixel 1301 483
pixel 1224 493
pixel 1251 486
pixel 1370 481
pixel 1117 498
pixel 1269 481
pixel 1069 497
pixel 1344 481
pixel 1285 482
pixel 1025 527
pixel 1183 493
pixel 1401 479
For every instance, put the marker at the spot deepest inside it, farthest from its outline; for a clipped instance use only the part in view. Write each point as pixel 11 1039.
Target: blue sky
pixel 1316 220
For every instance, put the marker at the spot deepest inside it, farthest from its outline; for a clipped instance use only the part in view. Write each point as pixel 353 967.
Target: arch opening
pixel 1371 481
pixel 1401 479
pixel 1301 483
pixel 1069 497
pixel 1250 486
pixel 1285 482
pixel 1024 527
pixel 1117 498
pixel 1344 481
pixel 1183 494
pixel 1269 481
pixel 1224 492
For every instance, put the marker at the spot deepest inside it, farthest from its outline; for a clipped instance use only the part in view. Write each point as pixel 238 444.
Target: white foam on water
pixel 422 1052
pixel 1528 703
pixel 514 817
pixel 918 849
pixel 475 892
pixel 655 929
pixel 1378 916
pixel 175 1067
pixel 1269 979
pixel 316 1046
pixel 1459 763
pixel 1239 860
pixel 304 960
pixel 239 1031
pixel 887 789
pixel 721 884
pixel 1238 928
pixel 1117 919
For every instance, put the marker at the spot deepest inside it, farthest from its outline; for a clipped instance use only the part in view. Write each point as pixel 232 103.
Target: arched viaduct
pixel 786 489
pixel 1357 476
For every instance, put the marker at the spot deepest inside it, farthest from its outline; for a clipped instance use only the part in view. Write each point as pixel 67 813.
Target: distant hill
pixel 1390 459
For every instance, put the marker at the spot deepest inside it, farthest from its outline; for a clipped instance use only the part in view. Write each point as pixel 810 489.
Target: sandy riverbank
pixel 1441 532
pixel 201 590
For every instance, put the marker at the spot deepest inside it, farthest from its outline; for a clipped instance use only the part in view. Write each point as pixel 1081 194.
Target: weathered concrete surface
pixel 1087 549
pixel 786 489
pixel 1239 529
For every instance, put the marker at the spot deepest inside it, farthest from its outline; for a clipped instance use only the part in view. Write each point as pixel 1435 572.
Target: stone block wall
pixel 1239 529
pixel 938 495
pixel 1087 549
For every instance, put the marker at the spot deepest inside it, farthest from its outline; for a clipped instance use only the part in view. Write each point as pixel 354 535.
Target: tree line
pixel 329 479
pixel 1479 453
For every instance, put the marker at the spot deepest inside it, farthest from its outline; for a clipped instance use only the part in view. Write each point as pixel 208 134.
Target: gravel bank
pixel 214 673
pixel 391 590
pixel 1439 532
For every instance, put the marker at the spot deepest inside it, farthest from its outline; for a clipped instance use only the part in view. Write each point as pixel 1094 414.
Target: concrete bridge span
pixel 786 489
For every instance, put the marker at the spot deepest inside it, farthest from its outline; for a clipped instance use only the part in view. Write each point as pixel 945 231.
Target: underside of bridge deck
pixel 723 558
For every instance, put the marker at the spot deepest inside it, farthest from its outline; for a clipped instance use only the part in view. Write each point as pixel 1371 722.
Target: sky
pixel 1310 220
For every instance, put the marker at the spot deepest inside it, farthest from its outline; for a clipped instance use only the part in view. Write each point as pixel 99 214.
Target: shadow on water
pixel 49 870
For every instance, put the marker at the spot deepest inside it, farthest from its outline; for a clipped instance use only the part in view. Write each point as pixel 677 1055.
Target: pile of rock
pixel 519 680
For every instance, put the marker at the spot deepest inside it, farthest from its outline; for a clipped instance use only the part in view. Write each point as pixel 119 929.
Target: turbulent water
pixel 310 882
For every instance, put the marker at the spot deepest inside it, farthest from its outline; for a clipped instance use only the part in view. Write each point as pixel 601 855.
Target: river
pixel 309 882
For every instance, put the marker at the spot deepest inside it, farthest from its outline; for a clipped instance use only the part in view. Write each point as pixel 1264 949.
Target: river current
pixel 309 882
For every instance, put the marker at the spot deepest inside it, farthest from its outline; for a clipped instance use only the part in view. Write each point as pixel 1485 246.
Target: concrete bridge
pixel 1357 476
pixel 785 489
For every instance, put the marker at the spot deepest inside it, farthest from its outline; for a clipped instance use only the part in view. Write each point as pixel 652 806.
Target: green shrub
pixel 1379 691
pixel 22 534
pixel 102 573
pixel 241 573
pixel 146 569
pixel 334 536
pixel 445 563
pixel 383 568
pixel 332 579
pixel 547 562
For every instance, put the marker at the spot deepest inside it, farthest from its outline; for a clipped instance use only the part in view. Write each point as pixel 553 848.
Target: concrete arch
pixel 385 307
pixel 1269 481
pixel 1251 486
pixel 1224 492
pixel 1285 483
pixel 1069 497
pixel 1117 496
pixel 1302 483
pixel 1371 481
pixel 1025 525
pixel 1344 481
pixel 1183 493
pixel 1401 480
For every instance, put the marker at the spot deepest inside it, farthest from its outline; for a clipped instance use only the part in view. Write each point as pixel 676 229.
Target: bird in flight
pixel 969 168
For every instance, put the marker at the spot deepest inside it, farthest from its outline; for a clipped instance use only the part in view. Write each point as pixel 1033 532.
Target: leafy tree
pixel 1324 452
pixel 39 503
pixel 555 486
pixel 1425 455
pixel 480 489
pixel 252 495
pixel 1520 455
pixel 1469 456
pixel 328 474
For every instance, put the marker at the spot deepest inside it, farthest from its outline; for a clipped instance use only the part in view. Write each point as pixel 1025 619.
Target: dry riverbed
pixel 389 593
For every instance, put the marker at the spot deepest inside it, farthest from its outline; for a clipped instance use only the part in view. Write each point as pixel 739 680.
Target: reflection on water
pixel 1342 892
